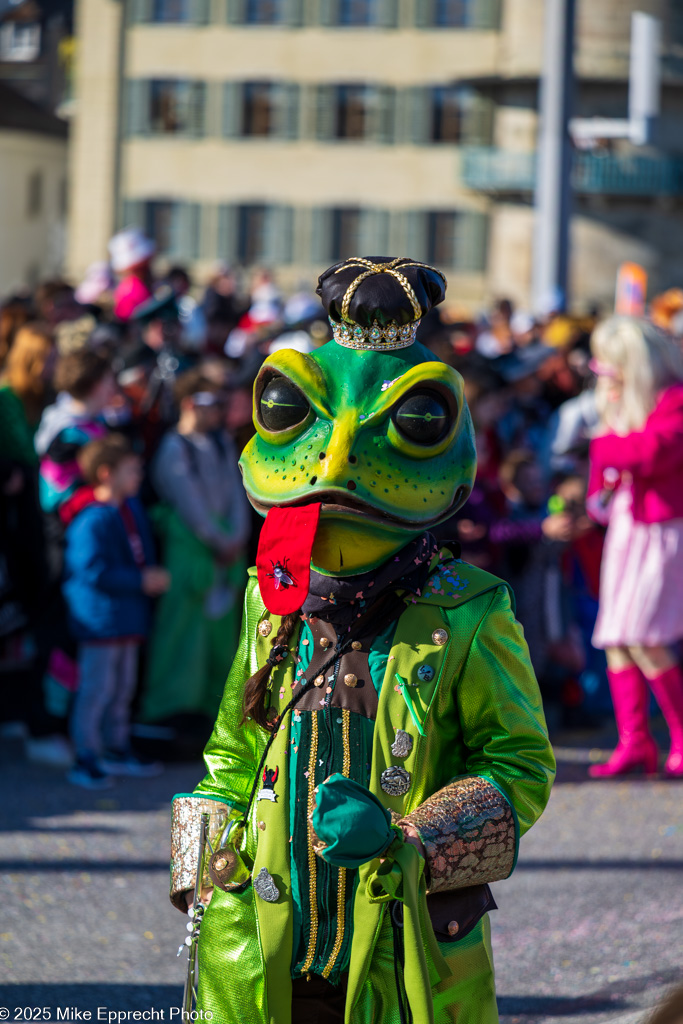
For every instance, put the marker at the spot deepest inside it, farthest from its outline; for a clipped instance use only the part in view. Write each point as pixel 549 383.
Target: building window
pixel 452 13
pixel 176 107
pixel 159 224
pixel 357 12
pixel 170 10
pixel 448 113
pixel 174 225
pixel 352 112
pixel 19 41
pixel 449 238
pixel 346 233
pixel 476 14
pixel 252 234
pixel 258 108
pixel 34 194
pixel 355 112
pixel 264 12
pixel 442 238
pixel 360 13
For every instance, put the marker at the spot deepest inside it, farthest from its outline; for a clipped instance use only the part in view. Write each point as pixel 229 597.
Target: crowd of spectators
pixel 125 531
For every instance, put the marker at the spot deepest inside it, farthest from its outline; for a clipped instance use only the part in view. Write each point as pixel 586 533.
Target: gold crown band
pixel 382 268
pixel 375 338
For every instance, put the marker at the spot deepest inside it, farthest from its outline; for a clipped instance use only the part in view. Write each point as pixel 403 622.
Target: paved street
pixel 589 929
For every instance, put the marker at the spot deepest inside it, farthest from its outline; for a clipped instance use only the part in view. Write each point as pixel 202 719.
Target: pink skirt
pixel 641 581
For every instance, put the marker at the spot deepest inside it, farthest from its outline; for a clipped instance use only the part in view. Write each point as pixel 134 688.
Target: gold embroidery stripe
pixel 312 868
pixel 341 887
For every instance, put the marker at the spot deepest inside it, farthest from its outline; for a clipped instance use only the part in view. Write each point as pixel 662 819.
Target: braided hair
pixel 256 688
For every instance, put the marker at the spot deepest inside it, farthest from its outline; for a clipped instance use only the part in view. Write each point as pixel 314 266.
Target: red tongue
pixel 283 560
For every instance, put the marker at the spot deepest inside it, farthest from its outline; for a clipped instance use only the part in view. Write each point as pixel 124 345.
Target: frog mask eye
pixel 282 405
pixel 423 416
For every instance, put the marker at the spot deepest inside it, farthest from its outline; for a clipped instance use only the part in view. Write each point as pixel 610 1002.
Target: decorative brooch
pixel 267 791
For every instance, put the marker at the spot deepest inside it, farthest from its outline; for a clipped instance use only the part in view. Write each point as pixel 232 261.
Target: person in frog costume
pixel 381 746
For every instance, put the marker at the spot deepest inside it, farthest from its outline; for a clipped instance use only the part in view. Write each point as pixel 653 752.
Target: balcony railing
pixel 486 169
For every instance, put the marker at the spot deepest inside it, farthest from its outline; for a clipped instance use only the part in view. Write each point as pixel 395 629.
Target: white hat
pixel 129 248
pixel 98 279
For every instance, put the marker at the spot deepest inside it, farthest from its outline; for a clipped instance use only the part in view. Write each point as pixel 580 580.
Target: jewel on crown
pixel 376 338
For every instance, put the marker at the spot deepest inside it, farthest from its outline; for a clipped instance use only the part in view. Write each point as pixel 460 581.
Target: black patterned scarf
pixel 341 600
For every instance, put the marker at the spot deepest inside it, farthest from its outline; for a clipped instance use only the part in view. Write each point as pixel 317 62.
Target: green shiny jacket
pixel 477 723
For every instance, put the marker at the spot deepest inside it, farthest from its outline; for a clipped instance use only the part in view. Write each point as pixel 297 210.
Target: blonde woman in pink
pixel 636 486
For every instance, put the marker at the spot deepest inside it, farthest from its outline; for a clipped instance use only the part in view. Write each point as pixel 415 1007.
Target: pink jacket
pixel 654 458
pixel 130 294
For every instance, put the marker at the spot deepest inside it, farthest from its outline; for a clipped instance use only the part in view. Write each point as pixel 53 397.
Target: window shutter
pixel 321 236
pixel 325 112
pixel 199 11
pixel 228 233
pixel 232 109
pixel 424 13
pixel 387 13
pixel 132 214
pixel 293 13
pixel 419 115
pixel 374 233
pixel 485 14
pixel 472 228
pixel 287 99
pixel 385 114
pixel 208 231
pixel 196 114
pixel 136 110
pixel 279 235
pixel 478 121
pixel 308 113
pixel 185 231
pixel 415 235
pixel 328 12
pixel 236 12
pixel 403 116
pixel 212 109
pixel 139 11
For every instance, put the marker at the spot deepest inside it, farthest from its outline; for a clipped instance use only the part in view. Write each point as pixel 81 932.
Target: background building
pixel 33 192
pixel 297 132
pixel 36 49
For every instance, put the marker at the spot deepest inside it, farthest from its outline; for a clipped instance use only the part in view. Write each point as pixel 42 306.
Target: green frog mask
pixel 382 439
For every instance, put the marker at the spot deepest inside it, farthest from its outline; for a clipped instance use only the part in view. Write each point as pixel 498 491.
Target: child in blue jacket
pixel 109 580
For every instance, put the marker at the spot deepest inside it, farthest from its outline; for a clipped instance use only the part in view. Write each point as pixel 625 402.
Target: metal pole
pixel 644 77
pixel 552 198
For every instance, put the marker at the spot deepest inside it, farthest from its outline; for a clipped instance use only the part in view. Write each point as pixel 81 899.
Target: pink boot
pixel 636 748
pixel 668 690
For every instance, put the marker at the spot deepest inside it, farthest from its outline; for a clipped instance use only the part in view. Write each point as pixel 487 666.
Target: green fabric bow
pixel 351 822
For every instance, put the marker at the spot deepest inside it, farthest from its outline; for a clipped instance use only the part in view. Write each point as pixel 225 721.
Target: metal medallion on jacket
pixel 402 745
pixel 265 887
pixel 395 780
